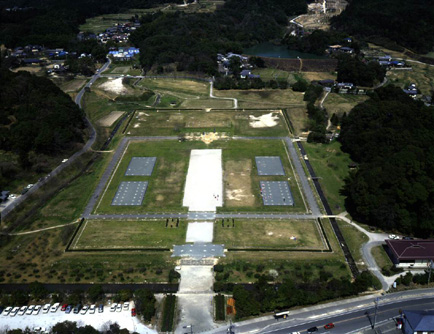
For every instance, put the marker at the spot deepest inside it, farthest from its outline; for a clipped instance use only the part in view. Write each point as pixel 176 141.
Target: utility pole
pixel 230 329
pixel 376 308
pixel 430 269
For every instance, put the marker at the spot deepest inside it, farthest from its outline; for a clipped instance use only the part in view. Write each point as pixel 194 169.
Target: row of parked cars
pixel 82 309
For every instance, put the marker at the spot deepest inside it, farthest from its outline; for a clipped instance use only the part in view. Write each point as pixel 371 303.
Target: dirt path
pixel 221 98
pixel 42 229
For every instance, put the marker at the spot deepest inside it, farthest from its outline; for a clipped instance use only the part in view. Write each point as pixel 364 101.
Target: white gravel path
pixel 200 232
pixel 204 185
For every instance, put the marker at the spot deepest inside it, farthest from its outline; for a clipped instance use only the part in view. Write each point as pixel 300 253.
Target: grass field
pixel 269 234
pixel 264 98
pixel 166 185
pixel 354 239
pixel 422 75
pixel 342 103
pixel 381 257
pixel 122 69
pixel 331 166
pixel 231 122
pixel 305 267
pixel 112 234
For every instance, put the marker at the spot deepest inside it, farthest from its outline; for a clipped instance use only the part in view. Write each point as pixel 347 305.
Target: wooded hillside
pixel 391 137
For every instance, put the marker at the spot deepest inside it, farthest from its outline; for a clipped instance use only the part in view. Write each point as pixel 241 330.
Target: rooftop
pixel 412 249
pixel 420 321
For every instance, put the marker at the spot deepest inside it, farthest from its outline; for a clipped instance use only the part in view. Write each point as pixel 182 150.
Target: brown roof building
pixel 411 253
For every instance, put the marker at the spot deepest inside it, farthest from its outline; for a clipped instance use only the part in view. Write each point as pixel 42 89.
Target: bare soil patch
pixel 110 118
pixel 238 184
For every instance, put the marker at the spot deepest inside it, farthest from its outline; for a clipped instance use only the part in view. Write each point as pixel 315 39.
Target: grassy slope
pixel 331 166
pixel 354 239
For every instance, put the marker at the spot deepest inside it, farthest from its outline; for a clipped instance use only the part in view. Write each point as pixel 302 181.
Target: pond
pixel 278 51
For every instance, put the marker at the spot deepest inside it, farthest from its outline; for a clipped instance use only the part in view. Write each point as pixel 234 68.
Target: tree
pixel 145 303
pixel 95 292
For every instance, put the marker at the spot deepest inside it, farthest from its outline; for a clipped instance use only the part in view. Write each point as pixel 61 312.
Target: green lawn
pixel 166 184
pixel 381 257
pixel 354 239
pixel 232 122
pixel 98 234
pixel 331 166
pixel 268 234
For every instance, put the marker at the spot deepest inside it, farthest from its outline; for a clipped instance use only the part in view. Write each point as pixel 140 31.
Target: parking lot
pixel 98 320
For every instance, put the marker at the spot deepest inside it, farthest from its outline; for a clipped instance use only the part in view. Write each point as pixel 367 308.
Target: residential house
pixel 417 322
pixel 411 254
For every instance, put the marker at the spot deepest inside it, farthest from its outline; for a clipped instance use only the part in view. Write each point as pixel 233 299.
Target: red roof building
pixel 411 253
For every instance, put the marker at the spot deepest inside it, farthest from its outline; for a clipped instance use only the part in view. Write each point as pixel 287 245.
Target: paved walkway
pixel 221 98
pixel 375 239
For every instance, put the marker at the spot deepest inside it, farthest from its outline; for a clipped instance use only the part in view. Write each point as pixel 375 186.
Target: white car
pixel 126 306
pixel 36 310
pixel 54 307
pixel 46 308
pixel 30 185
pixel 14 311
pixel 7 310
pixel 119 307
pixel 113 307
pixel 30 309
pixel 92 309
pixel 64 160
pixel 394 236
pixel 22 310
pixel 12 196
pixel 84 309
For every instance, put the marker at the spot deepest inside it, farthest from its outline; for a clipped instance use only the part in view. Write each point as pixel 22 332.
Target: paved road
pixel 348 257
pixel 349 316
pixel 74 157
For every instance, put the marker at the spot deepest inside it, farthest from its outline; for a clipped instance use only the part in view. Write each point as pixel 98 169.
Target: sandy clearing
pixel 200 232
pixel 204 184
pixel 264 121
pixel 110 118
pixel 114 86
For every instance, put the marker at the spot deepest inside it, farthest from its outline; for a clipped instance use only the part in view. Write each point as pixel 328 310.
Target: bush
pixel 300 86
pixel 173 275
pixel 219 268
pixel 219 301
pixel 145 303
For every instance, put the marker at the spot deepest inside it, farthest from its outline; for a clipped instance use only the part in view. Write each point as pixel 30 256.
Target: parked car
pixel 113 307
pixel 22 310
pixel 55 307
pixel 46 308
pixel 133 312
pixel 64 306
pixel 36 310
pixel 77 308
pixel 30 309
pixel 68 309
pixel 84 309
pixel 330 325
pixel 126 306
pixel 7 310
pixel 101 308
pixel 312 330
pixel 14 311
pixel 92 309
pixel 119 307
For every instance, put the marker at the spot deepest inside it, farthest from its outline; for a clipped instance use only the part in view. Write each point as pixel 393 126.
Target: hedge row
pixel 168 313
pixel 219 301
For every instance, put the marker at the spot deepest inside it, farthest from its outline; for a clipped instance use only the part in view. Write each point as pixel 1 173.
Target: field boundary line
pixel 79 236
pixel 113 174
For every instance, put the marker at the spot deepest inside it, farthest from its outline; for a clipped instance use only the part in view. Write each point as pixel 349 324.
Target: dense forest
pixel 407 23
pixel 54 23
pixel 193 40
pixel 359 71
pixel 391 137
pixel 36 117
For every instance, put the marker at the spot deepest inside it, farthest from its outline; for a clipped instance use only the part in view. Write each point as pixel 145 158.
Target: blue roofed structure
pixel 418 322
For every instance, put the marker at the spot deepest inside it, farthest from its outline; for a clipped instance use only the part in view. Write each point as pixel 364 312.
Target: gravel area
pixel 97 320
pixel 204 185
pixel 200 232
